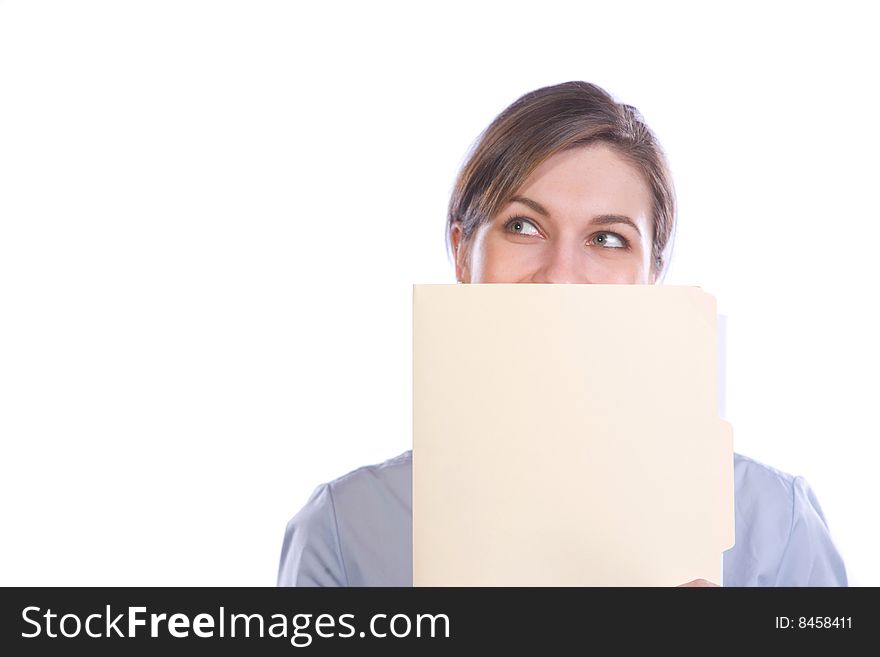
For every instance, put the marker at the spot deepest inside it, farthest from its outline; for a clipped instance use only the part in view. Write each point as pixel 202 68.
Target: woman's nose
pixel 564 263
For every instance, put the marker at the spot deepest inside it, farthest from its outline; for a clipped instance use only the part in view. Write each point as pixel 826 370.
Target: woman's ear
pixel 459 250
pixel 656 270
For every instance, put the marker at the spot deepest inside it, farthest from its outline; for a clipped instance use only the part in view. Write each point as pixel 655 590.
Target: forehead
pixel 591 179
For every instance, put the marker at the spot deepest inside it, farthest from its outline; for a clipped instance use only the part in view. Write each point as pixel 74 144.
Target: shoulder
pixel 390 472
pixel 355 530
pixel 764 498
pixel 782 536
pixel 764 501
pixel 369 483
pixel 745 464
pixel 751 476
pixel 374 484
pixel 761 488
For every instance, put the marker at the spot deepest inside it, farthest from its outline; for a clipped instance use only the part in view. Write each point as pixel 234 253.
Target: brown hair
pixel 548 121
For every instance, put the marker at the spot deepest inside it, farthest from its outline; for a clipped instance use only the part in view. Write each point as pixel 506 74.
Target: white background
pixel 212 214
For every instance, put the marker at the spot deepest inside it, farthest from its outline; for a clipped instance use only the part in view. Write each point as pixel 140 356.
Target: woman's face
pixel 583 216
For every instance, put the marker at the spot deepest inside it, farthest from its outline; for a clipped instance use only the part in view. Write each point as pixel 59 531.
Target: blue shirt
pixel 357 531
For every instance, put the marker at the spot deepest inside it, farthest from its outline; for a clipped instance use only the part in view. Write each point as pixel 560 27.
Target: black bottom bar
pixel 431 621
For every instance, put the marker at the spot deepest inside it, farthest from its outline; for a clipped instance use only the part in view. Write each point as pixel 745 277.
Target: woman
pixel 565 186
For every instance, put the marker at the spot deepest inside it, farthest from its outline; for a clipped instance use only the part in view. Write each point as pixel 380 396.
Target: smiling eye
pixel 609 241
pixel 521 226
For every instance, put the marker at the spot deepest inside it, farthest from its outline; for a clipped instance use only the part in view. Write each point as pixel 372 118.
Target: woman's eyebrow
pixel 606 219
pixel 534 205
pixel 601 220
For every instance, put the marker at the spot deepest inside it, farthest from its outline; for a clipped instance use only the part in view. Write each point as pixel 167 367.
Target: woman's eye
pixel 521 227
pixel 609 241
